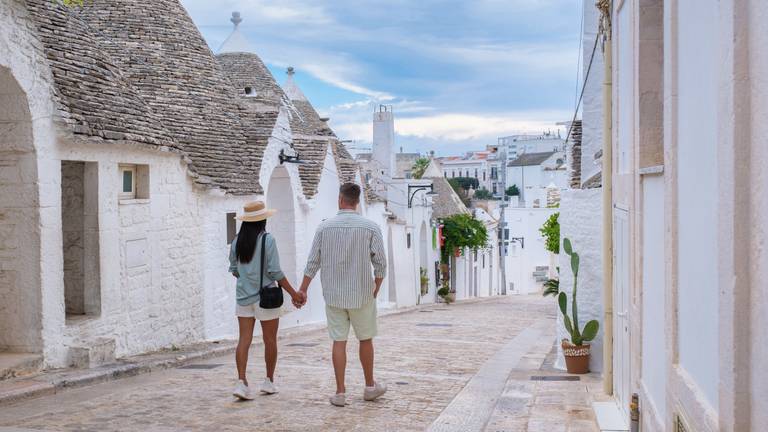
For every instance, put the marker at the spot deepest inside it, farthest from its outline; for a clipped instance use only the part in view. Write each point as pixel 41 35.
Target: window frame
pixel 123 168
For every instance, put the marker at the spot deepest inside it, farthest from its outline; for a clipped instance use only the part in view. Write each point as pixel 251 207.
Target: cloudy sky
pixel 459 73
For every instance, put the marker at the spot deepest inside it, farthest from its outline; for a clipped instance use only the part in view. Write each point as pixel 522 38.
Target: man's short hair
pixel 350 193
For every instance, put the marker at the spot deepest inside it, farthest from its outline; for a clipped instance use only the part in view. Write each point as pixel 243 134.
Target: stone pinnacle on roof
pixel 236 20
pixel 291 89
pixel 236 42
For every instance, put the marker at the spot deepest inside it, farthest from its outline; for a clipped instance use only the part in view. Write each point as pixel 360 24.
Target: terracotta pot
pixel 449 298
pixel 457 252
pixel 576 357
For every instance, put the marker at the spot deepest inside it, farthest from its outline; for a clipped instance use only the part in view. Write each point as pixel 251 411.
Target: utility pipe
pixel 605 7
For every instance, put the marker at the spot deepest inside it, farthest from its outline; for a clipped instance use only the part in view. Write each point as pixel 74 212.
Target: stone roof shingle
pixel 156 72
pixel 446 203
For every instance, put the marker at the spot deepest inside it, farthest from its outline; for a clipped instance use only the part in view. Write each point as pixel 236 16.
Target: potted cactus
pixel 575 350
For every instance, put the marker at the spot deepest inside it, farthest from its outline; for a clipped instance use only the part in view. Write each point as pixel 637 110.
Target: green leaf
pixel 590 330
pixel 568 326
pixel 562 300
pixel 567 246
pixel 575 264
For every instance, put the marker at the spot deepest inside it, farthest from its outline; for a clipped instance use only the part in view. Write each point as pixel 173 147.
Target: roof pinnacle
pixel 290 71
pixel 236 20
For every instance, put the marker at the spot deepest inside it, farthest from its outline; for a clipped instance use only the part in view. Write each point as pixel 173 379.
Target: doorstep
pixel 609 417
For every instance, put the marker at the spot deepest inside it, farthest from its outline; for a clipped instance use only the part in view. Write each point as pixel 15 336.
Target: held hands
pixel 299 299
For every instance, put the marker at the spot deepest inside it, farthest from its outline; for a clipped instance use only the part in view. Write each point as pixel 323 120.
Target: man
pixel 345 247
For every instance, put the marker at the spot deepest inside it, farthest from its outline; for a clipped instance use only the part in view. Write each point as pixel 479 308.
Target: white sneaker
pixel 339 400
pixel 371 393
pixel 268 387
pixel 242 391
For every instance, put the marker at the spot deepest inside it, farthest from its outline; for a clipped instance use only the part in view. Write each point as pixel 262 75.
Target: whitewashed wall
pixel 592 104
pixel 697 195
pixel 580 222
pixel 654 325
pixel 522 260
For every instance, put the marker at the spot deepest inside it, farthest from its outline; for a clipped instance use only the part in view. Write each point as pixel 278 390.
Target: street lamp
pixel 417 188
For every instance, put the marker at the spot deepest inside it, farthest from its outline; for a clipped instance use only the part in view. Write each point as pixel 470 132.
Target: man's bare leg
pixel 366 360
pixel 339 364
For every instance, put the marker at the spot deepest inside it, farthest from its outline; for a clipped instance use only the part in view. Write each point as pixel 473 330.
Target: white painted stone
pixel 580 222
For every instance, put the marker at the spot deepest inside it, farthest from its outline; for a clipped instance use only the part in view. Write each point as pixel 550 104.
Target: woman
pixel 245 264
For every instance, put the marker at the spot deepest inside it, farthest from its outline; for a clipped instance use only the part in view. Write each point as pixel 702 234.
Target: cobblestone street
pixel 464 367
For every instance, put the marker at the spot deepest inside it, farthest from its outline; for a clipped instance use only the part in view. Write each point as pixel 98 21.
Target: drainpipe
pixel 605 7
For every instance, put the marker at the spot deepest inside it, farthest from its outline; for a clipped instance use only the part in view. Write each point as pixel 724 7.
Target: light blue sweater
pixel 247 274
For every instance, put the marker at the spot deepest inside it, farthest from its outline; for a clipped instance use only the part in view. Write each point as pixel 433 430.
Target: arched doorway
pixel 423 245
pixel 20 316
pixel 283 225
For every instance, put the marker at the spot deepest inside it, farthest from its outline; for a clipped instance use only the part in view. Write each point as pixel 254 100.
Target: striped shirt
pixel 345 248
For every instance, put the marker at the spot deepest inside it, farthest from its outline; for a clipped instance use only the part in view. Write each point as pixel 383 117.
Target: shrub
pixel 551 233
pixel 571 323
pixel 483 194
pixel 513 191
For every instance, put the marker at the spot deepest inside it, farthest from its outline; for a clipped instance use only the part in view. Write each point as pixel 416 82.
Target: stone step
pixel 542 279
pixel 540 274
pixel 93 353
pixel 14 365
pixel 542 268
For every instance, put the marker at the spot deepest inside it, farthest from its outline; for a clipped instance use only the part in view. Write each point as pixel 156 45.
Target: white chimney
pixel 384 141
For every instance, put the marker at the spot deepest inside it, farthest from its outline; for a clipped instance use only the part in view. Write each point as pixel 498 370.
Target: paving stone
pixel 434 364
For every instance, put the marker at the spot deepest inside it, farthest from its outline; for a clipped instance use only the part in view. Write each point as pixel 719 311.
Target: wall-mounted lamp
pixel 417 188
pixel 289 158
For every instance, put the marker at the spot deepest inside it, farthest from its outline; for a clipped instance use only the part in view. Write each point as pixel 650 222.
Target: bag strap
pixel 263 253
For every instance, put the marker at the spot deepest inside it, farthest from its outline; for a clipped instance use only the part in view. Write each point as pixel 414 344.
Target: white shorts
pixel 255 311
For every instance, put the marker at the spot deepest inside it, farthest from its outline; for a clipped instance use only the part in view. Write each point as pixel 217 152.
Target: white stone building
pixel 127 148
pixel 535 174
pixel 685 175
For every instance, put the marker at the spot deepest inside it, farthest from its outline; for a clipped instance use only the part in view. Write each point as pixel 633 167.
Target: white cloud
pixel 456 126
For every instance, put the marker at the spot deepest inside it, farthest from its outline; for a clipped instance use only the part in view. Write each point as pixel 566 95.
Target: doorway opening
pixel 80 238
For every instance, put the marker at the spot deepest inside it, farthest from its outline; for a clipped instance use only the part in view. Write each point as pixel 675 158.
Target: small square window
pixel 134 182
pixel 128 181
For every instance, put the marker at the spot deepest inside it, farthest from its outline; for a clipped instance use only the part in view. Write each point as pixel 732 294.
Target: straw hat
pixel 255 211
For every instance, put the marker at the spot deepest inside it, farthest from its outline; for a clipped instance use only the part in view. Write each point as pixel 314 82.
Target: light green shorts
pixel 363 321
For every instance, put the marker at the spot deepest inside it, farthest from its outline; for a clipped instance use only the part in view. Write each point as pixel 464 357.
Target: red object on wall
pixel 440 236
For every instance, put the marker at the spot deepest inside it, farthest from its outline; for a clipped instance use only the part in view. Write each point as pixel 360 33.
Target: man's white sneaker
pixel 268 387
pixel 339 400
pixel 242 391
pixel 371 393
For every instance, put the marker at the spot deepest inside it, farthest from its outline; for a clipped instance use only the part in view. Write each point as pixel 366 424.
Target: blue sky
pixel 458 73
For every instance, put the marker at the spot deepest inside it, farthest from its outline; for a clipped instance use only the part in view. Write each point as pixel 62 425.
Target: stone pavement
pixel 442 363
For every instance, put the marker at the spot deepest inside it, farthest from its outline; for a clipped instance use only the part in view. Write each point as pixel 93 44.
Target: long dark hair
pixel 246 239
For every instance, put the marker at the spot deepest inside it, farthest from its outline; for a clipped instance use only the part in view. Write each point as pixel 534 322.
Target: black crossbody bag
pixel 270 297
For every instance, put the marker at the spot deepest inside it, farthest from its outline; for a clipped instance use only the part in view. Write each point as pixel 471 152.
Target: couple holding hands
pixel 344 250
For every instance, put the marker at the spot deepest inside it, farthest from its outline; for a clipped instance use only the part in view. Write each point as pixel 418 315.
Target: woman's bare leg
pixel 243 345
pixel 269 333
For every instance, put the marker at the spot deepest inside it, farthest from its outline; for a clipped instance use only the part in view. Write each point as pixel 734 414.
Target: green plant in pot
pixel 424 280
pixel 575 350
pixel 445 293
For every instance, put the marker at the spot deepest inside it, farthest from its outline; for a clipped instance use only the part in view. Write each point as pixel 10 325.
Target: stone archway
pixel 20 308
pixel 283 225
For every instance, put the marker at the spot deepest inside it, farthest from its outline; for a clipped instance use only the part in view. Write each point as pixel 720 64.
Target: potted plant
pixel 575 350
pixel 424 279
pixel 445 293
